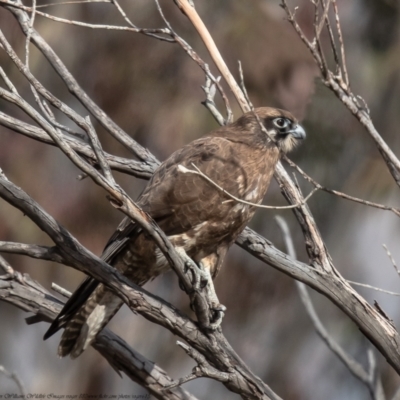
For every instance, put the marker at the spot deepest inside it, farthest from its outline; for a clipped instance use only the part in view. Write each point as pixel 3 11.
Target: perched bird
pixel 197 217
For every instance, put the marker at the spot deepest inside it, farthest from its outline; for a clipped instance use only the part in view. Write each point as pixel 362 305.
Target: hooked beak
pixel 298 132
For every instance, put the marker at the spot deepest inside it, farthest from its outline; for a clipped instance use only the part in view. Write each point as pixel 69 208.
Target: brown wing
pixel 180 201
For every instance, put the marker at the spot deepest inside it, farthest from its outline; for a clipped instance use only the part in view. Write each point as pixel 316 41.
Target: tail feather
pixel 92 317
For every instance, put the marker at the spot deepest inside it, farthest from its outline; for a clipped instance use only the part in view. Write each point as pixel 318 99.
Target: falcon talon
pixel 219 307
pixel 217 321
pixel 197 218
pixel 187 265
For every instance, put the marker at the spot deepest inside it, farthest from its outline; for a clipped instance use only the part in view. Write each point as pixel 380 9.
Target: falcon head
pixel 280 126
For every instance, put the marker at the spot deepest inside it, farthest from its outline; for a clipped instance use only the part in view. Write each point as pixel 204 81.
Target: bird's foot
pixel 217 315
pixel 217 310
pixel 204 300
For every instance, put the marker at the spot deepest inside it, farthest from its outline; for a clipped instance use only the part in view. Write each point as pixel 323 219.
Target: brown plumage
pixel 196 216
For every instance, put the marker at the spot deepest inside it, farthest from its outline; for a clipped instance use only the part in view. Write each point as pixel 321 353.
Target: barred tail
pixel 91 318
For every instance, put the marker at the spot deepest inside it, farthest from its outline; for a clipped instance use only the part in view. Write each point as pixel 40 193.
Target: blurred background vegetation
pixel 153 90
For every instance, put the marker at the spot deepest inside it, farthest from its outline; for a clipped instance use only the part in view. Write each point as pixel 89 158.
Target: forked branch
pixel 338 81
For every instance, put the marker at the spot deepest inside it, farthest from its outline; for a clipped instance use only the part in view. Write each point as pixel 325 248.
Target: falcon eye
pixel 281 123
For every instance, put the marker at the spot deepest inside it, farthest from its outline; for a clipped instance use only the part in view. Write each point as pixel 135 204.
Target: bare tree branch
pixel 31 297
pixel 373 288
pixel 139 169
pixel 368 378
pixel 389 254
pixel 32 250
pixel 195 57
pixel 197 171
pixel 342 89
pixel 77 91
pixel 14 377
pixel 374 326
pixel 345 196
pixel 197 22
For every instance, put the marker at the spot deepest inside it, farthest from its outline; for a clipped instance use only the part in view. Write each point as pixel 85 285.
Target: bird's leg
pixel 212 312
pixel 197 272
pixel 218 309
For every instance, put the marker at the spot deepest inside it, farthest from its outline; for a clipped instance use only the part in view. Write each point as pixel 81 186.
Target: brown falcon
pixel 198 219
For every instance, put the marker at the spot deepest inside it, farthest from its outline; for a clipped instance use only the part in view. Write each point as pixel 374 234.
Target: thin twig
pixel 62 3
pixel 101 158
pixel 14 376
pixel 243 86
pixel 317 185
pixel 198 172
pixel 204 368
pixel 199 25
pixel 59 289
pixel 8 269
pixel 148 32
pixel 123 13
pixel 341 43
pixel 368 378
pixel 210 90
pixel 31 250
pixel 7 81
pixel 389 254
pixel 196 58
pixel 299 31
pixel 323 17
pixel 317 41
pixel 373 288
pixel 333 45
pixel 52 119
pixel 28 36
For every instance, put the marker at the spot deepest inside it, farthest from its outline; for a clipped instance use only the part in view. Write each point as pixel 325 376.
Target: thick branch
pixel 197 22
pixel 375 326
pixel 29 296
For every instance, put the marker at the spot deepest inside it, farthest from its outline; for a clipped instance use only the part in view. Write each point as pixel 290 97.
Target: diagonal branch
pixel 73 86
pixel 29 296
pixel 139 169
pixel 378 329
pixel 197 171
pixel 14 377
pixel 308 178
pixel 197 22
pixel 373 383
